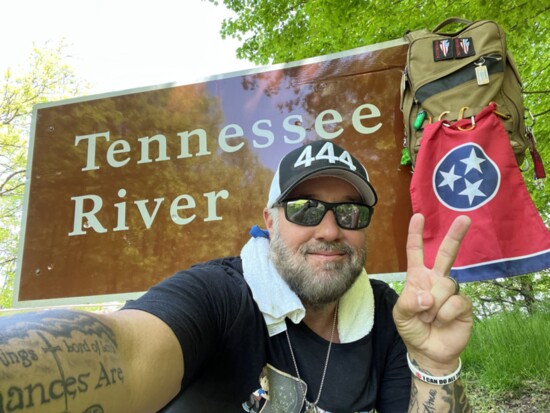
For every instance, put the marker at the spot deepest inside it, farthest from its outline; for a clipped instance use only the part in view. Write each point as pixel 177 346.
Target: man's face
pixel 319 263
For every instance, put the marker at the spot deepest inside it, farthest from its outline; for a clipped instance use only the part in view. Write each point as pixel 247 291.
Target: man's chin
pixel 332 289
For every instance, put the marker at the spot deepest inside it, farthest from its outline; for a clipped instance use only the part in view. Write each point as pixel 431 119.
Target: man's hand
pixel 433 321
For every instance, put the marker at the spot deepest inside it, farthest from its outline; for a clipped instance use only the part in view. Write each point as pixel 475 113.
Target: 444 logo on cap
pixel 328 152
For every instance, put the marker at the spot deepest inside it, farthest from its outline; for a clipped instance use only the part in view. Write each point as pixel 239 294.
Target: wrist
pixel 431 366
pixel 432 377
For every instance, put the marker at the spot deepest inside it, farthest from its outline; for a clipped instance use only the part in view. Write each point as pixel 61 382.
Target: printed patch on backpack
pixel 443 49
pixel 464 47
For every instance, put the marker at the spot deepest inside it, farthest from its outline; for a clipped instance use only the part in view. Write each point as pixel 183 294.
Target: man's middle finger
pixel 450 245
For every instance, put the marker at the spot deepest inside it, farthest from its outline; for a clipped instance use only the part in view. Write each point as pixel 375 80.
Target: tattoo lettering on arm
pixel 50 358
pixel 413 403
pixel 456 397
pixel 57 323
pixel 429 405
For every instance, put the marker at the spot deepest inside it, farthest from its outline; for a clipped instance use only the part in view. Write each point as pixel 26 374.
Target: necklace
pixel 312 407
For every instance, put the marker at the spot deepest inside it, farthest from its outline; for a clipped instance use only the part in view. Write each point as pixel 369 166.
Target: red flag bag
pixel 468 168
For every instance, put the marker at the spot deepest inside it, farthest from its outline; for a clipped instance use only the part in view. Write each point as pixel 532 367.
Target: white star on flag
pixel 449 178
pixel 472 162
pixel 472 190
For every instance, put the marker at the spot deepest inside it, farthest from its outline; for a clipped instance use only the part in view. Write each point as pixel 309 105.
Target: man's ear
pixel 268 220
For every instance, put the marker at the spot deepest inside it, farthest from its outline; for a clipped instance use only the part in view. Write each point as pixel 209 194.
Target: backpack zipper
pixel 494 64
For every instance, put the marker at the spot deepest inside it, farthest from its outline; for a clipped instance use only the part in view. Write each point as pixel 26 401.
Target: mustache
pixel 319 246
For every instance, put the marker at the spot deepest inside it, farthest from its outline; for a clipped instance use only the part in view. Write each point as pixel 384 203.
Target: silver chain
pixel 314 404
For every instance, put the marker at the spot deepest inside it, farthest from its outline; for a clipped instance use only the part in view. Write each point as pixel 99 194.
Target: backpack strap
pixel 413 35
pixel 451 20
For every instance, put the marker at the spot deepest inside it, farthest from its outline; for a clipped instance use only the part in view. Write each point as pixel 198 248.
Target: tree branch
pixel 10 176
pixel 541 113
pixel 495 300
pixel 9 261
pixel 505 287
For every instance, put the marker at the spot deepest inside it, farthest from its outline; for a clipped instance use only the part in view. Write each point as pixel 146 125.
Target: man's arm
pixel 431 398
pixel 434 322
pixel 69 361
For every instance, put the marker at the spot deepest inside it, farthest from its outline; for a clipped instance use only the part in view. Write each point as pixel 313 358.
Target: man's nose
pixel 328 229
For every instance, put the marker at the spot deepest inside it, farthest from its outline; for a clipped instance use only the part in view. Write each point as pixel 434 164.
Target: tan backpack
pixel 455 75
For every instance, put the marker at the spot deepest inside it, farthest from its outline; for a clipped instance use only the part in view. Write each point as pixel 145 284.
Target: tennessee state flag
pixel 469 168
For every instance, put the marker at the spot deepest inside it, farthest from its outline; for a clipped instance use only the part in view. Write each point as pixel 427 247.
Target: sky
pixel 123 44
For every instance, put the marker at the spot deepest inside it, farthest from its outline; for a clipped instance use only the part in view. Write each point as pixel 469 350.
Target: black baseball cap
pixel 320 158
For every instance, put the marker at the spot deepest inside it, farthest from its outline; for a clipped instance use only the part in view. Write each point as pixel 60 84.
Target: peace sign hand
pixel 433 320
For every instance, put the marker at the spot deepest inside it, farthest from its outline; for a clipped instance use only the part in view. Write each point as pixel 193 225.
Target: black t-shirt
pixel 227 348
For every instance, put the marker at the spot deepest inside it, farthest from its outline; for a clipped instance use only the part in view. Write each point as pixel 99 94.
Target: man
pixel 293 324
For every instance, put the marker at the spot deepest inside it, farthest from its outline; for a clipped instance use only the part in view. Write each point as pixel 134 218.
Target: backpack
pixel 451 76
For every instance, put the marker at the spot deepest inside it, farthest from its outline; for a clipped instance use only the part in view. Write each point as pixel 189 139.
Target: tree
pixel 46 78
pixel 527 293
pixel 273 31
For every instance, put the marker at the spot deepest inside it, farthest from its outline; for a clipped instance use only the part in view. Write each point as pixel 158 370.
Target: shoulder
pixel 385 298
pixel 200 302
pixel 202 287
pixel 219 272
pixel 383 293
pixel 228 265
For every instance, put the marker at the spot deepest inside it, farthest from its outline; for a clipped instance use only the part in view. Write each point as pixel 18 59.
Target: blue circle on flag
pixel 466 178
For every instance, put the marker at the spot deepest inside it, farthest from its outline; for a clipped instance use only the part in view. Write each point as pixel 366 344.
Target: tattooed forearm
pixel 427 398
pixel 455 397
pixel 56 361
pixel 413 403
pixel 432 394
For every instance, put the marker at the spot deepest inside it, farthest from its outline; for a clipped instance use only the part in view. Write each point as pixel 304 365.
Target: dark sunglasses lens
pixel 353 216
pixel 310 212
pixel 305 212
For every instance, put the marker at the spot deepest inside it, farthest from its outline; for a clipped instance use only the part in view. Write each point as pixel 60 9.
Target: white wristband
pixel 439 380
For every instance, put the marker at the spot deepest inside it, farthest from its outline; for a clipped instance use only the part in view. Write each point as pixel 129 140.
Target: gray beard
pixel 316 288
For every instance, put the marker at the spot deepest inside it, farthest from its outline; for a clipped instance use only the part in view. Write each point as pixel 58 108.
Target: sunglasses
pixel 310 212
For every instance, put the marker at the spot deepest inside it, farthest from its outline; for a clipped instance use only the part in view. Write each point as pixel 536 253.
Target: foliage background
pixel 47 77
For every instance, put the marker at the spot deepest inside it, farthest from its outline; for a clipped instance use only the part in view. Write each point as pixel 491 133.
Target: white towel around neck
pixel 277 301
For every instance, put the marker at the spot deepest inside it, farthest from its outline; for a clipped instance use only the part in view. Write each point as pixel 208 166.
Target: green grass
pixel 508 357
